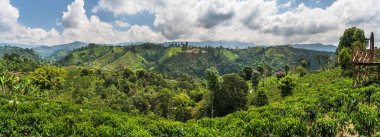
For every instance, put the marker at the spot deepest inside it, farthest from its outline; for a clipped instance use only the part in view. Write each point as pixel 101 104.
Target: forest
pixel 150 89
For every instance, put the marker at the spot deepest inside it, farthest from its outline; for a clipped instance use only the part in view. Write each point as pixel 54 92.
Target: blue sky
pixel 46 13
pixel 52 22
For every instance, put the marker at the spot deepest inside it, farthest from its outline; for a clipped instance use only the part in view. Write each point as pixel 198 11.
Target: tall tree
pixel 3 81
pixel 286 68
pixel 344 59
pixel 232 96
pixel 304 63
pixel 165 100
pixel 350 36
pixel 247 73
pixel 255 79
pixel 213 85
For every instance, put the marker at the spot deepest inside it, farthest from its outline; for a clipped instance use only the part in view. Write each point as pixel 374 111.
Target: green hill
pixel 27 53
pixel 18 59
pixel 193 61
pixel 130 60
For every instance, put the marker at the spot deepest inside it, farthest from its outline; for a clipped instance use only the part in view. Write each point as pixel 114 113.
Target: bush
pixel 325 127
pixel 286 85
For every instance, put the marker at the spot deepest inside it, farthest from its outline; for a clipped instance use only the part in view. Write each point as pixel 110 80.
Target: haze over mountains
pixel 47 51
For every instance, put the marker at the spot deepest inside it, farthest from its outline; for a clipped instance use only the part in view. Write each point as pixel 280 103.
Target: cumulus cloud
pixel 13 32
pixel 8 15
pixel 297 23
pixel 120 7
pixel 259 21
pixel 250 20
pixel 121 24
pixel 213 18
pixel 78 27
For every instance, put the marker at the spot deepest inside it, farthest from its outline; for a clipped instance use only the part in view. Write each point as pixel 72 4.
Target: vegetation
pixel 129 91
pixel 189 61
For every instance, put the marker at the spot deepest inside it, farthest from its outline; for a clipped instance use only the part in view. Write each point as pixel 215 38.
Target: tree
pixel 344 59
pixel 247 73
pixel 48 77
pixel 300 70
pixel 164 100
pixel 213 85
pixel 322 60
pixel 3 81
pixel 305 63
pixel 286 85
pixel 232 96
pixel 182 109
pixel 255 79
pixel 260 69
pixel 260 99
pixel 350 37
pixel 280 74
pixel 286 68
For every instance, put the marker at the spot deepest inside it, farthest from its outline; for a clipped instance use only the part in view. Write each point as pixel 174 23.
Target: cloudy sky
pixel 53 22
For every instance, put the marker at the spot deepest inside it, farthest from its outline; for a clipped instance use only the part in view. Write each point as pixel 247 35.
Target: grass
pixel 130 60
pixel 108 58
pixel 230 55
pixel 172 51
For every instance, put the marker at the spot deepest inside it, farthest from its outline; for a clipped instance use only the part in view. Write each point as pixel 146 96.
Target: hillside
pixel 316 47
pixel 56 52
pixel 18 59
pixel 320 101
pixel 28 53
pixel 188 60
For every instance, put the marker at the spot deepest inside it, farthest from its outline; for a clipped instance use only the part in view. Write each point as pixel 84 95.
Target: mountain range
pixel 58 51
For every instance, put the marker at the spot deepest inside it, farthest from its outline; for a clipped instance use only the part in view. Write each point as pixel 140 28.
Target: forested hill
pixel 27 53
pixel 193 61
pixel 18 59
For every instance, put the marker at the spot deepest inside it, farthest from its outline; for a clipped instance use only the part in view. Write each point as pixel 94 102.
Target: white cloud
pixel 121 24
pixel 258 21
pixel 119 7
pixel 78 27
pixel 13 32
pixel 8 15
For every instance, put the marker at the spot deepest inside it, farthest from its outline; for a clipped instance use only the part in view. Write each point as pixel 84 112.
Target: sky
pixel 263 22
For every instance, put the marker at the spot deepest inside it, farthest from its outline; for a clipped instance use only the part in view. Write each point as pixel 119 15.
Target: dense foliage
pixel 176 61
pixel 145 91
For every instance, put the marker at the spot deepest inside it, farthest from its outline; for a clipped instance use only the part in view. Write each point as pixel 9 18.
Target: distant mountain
pixel 316 47
pixel 190 61
pixel 127 43
pixel 23 52
pixel 236 44
pixel 29 46
pixel 47 51
pixel 225 44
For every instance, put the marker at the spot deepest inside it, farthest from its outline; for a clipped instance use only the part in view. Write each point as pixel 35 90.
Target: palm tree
pixel 3 81
pixel 10 82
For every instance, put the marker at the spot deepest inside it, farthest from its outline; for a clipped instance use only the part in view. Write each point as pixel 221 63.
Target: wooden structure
pixel 364 63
